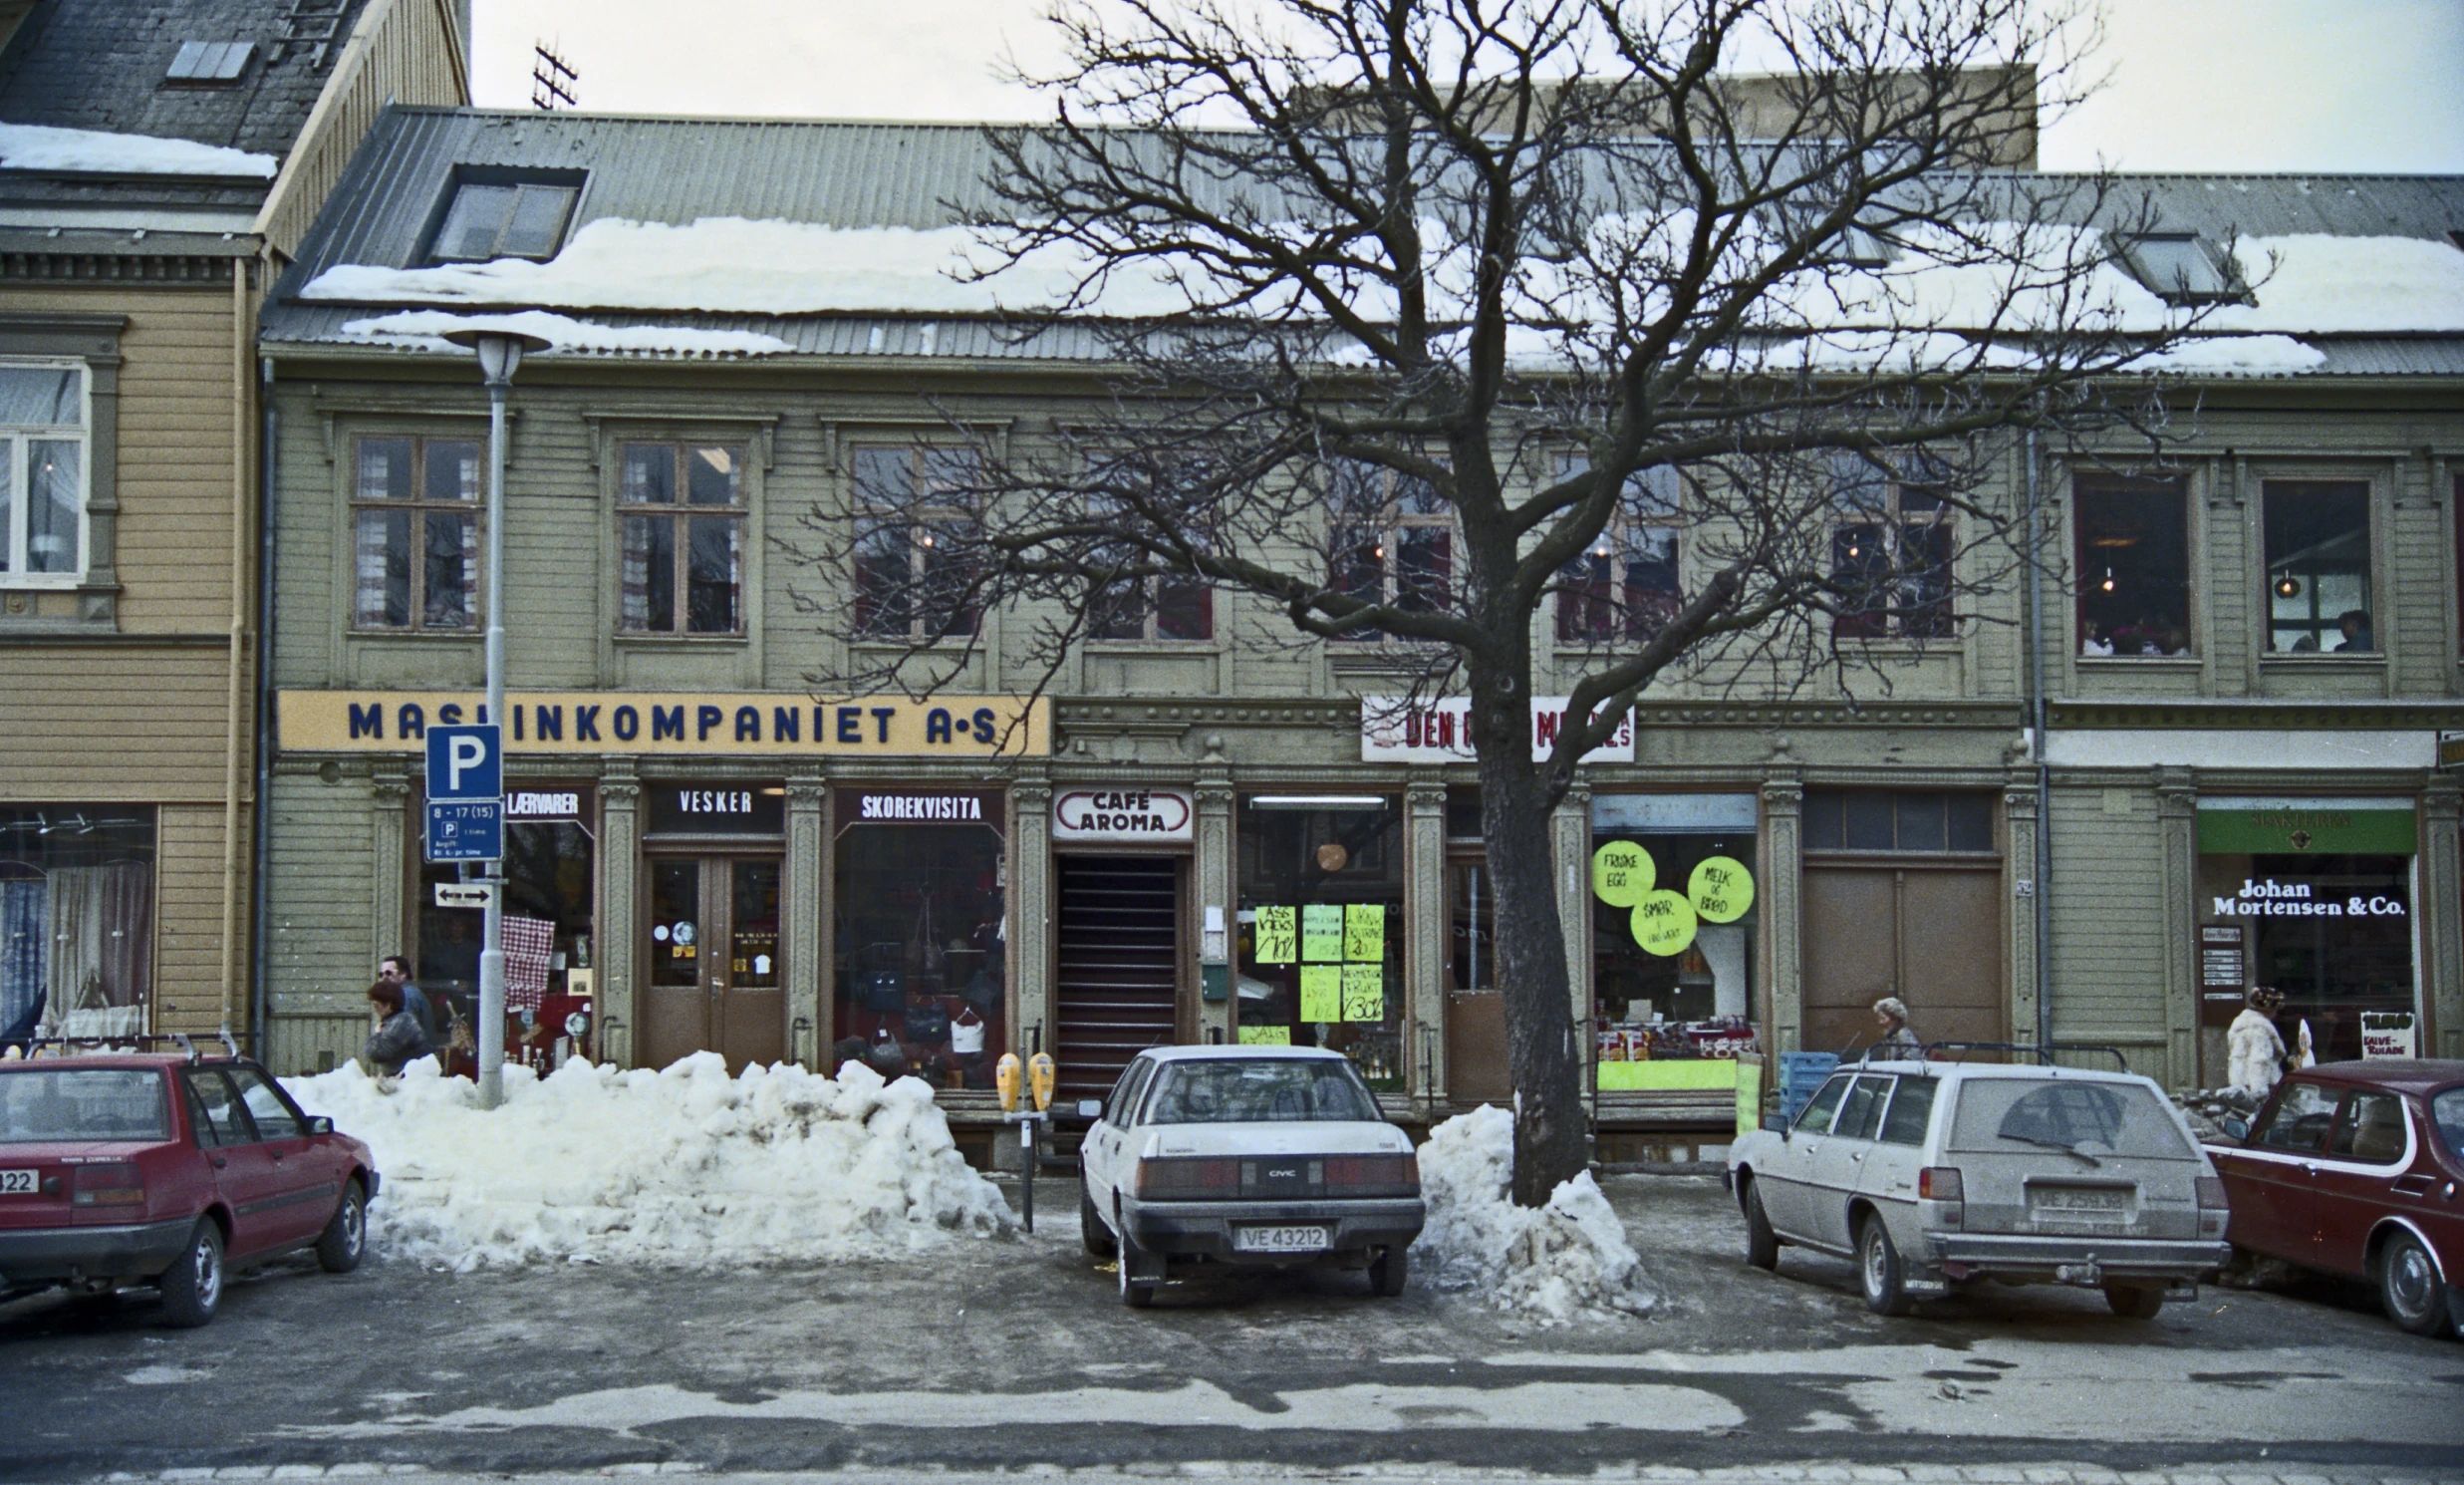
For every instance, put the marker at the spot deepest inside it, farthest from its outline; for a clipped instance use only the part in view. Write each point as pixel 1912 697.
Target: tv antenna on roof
pixel 551 80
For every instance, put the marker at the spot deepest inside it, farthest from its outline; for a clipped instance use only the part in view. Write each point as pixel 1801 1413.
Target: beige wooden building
pixel 133 260
pixel 1201 834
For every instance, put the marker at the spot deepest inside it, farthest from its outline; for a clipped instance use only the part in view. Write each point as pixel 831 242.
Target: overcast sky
pixel 2196 85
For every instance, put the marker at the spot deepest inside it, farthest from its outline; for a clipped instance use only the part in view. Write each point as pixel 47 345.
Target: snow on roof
pixel 424 330
pixel 684 1167
pixel 38 146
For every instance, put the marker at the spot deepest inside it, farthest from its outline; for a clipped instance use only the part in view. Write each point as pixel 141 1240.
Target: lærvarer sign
pixel 680 724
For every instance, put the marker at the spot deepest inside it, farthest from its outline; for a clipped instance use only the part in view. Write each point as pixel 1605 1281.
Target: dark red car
pixel 2357 1169
pixel 139 1168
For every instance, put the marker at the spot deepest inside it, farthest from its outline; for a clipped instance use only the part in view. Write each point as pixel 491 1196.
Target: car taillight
pixel 1940 1183
pixel 109 1184
pixel 1167 1180
pixel 1372 1175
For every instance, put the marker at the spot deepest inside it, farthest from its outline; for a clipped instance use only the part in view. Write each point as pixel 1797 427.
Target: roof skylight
pixel 211 64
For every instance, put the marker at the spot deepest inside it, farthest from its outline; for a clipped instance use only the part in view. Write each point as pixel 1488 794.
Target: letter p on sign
pixel 464 762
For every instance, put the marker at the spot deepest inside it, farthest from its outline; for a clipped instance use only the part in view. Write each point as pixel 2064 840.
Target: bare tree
pixel 1554 279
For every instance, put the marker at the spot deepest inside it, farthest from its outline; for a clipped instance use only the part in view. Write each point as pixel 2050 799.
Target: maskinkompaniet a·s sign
pixel 699 724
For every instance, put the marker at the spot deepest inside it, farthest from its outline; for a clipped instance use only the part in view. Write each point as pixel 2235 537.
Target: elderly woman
pixel 399 1036
pixel 1891 1014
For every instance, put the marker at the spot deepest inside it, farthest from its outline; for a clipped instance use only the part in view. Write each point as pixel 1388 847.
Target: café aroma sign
pixel 1109 812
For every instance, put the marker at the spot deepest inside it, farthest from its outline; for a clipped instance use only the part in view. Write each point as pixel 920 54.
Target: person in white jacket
pixel 2256 1048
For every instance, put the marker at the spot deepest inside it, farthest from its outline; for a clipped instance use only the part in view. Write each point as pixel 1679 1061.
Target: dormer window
pixel 209 64
pixel 505 220
pixel 2183 269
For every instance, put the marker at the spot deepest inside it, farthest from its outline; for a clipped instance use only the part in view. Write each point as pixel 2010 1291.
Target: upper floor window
pixel 680 538
pixel 915 538
pixel 2133 566
pixel 1160 606
pixel 1892 539
pixel 505 220
pixel 1394 539
pixel 416 543
pixel 43 472
pixel 1624 586
pixel 2319 566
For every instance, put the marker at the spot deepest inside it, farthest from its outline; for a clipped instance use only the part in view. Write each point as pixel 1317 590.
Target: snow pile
pixel 1562 1260
pixel 684 1166
pixel 424 330
pixel 37 146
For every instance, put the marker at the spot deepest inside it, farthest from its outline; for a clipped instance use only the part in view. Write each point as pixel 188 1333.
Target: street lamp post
pixel 501 353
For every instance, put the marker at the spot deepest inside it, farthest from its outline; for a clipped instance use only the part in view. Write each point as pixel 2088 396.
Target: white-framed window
pixel 1161 608
pixel 1394 539
pixel 490 219
pixel 915 539
pixel 680 538
pixel 1894 533
pixel 1626 584
pixel 414 514
pixel 44 473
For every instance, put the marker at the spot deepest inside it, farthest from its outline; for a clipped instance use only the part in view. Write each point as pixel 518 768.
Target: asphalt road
pixel 1008 1355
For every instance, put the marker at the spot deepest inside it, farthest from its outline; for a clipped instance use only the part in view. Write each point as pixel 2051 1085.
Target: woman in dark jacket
pixel 399 1036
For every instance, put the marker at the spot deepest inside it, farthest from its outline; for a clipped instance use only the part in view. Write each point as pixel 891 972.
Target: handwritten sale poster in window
pixel 1279 935
pixel 1321 992
pixel 1364 992
pixel 1321 933
pixel 1364 933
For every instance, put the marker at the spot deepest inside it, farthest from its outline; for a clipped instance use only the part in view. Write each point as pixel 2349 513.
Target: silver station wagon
pixel 1935 1174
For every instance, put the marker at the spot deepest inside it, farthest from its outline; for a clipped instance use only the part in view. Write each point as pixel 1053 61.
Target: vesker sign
pixel 1105 813
pixel 1437 729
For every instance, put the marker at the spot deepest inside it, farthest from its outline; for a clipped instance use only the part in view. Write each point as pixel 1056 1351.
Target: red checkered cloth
pixel 528 941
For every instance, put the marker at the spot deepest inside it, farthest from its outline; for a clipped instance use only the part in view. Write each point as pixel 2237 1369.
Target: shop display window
pixel 1673 931
pixel 549 868
pixel 922 946
pixel 2134 567
pixel 77 911
pixel 2333 933
pixel 1321 928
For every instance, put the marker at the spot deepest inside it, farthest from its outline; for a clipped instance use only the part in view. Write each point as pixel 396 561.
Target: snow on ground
pixel 37 146
pixel 424 330
pixel 1564 1260
pixel 683 1166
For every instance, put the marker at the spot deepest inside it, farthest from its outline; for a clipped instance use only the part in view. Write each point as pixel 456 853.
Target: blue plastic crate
pixel 1801 1073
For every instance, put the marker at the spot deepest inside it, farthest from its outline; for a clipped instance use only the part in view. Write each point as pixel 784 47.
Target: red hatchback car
pixel 2357 1168
pixel 141 1168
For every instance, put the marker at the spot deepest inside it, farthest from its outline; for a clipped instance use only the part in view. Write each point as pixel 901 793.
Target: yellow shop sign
pixel 693 724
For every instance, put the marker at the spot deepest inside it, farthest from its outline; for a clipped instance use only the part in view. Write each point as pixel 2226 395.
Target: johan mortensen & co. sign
pixel 1109 812
pixel 700 725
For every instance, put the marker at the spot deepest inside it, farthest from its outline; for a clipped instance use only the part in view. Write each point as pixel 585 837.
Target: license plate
pixel 2082 1203
pixel 18 1183
pixel 1280 1239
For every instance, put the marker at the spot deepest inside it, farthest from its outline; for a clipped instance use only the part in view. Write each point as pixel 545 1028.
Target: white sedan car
pixel 1245 1155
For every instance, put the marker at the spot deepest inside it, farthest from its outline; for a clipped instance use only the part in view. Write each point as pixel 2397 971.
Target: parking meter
pixel 1039 1077
pixel 1005 1078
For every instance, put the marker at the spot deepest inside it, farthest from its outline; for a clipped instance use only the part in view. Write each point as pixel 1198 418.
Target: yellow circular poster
pixel 1621 872
pixel 1664 923
pixel 1721 889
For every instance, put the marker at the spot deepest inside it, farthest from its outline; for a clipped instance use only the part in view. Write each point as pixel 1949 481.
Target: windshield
pixel 73 1103
pixel 2447 1113
pixel 1260 1091
pixel 2085 1119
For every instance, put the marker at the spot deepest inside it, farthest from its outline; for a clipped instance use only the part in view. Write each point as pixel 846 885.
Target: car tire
pixel 345 1239
pixel 2409 1288
pixel 1761 1244
pixel 1092 1232
pixel 192 1285
pixel 2134 1300
pixel 1877 1269
pixel 1390 1271
pixel 1137 1294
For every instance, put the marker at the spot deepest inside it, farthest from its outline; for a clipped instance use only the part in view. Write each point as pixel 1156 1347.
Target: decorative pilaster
pixel 803 948
pixel 620 853
pixel 1423 941
pixel 1570 827
pixel 1218 891
pixel 2177 825
pixel 1030 910
pixel 1783 913
pixel 389 866
pixel 2442 889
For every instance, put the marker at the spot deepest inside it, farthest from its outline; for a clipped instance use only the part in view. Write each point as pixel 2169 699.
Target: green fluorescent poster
pixel 1364 992
pixel 1279 935
pixel 1266 1035
pixel 1621 872
pixel 1364 934
pixel 1321 933
pixel 1721 889
pixel 1664 923
pixel 1321 992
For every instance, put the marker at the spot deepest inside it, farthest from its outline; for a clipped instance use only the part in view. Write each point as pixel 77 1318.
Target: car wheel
pixel 192 1285
pixel 2134 1300
pixel 1137 1294
pixel 2408 1285
pixel 346 1237
pixel 1761 1244
pixel 1877 1269
pixel 1091 1229
pixel 1391 1269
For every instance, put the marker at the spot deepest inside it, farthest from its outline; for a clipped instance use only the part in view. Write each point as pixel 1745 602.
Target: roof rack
pixel 2043 1055
pixel 134 1041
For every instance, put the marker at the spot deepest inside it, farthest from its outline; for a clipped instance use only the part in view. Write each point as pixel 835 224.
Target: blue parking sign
pixel 465 829
pixel 466 762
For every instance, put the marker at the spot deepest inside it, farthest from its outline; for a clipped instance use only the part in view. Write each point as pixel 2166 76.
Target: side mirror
pixel 1090 1108
pixel 320 1124
pixel 1777 1123
pixel 2237 1127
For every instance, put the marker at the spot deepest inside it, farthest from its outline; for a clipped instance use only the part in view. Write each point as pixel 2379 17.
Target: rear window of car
pixel 2018 1114
pixel 2447 1113
pixel 1257 1090
pixel 41 1105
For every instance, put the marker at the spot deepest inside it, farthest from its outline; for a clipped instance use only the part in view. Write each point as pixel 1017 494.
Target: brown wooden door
pixel 1477 1066
pixel 1933 936
pixel 713 979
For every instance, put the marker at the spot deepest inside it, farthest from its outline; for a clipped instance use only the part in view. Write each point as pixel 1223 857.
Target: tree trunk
pixel 1551 1141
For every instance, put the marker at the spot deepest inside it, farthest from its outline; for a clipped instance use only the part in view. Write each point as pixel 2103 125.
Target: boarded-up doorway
pixel 1930 933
